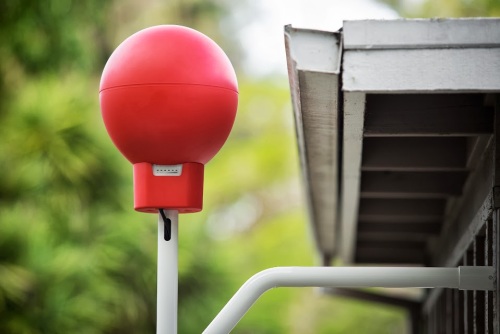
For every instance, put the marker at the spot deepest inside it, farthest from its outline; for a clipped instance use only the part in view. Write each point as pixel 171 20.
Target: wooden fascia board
pixel 421 33
pixel 313 59
pixel 422 70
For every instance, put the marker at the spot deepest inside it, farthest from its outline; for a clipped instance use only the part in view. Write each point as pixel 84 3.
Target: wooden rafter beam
pixel 401 207
pixel 389 255
pixel 414 154
pixel 399 228
pixel 412 184
pixel 427 115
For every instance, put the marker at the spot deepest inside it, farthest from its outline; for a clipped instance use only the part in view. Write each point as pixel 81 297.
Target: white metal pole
pixel 167 276
pixel 474 278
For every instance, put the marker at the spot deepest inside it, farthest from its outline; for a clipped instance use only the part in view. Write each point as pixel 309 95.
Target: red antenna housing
pixel 168 97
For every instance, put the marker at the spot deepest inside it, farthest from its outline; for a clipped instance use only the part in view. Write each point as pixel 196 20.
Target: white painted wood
pixel 293 79
pixel 319 93
pixel 421 33
pixel 419 71
pixel 313 64
pixel 354 109
pixel 403 56
pixel 314 50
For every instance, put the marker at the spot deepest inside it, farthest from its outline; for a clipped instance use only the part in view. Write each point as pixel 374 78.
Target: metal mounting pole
pixel 464 278
pixel 167 277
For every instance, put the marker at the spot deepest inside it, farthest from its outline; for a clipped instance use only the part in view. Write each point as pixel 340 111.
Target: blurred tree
pixel 45 36
pixel 72 257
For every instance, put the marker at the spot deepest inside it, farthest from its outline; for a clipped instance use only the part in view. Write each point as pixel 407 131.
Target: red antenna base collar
pixel 183 192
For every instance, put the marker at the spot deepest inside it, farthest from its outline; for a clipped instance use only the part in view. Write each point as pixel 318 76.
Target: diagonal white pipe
pixel 474 278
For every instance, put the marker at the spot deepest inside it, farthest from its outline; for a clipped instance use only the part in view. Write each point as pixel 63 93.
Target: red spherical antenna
pixel 168 98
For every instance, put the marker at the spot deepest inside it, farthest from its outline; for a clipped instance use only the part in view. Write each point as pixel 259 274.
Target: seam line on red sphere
pixel 167 83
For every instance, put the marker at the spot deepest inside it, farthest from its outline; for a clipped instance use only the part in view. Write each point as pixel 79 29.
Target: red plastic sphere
pixel 168 96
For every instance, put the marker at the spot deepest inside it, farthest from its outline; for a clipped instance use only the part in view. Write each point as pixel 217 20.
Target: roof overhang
pixel 362 97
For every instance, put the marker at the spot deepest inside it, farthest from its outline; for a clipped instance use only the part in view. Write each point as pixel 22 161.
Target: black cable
pixel 167 226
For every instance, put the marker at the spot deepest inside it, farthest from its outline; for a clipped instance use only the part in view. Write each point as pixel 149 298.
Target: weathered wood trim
pixel 313 59
pixel 420 71
pixel 320 128
pixel 479 296
pixel 496 156
pixel 421 34
pixel 468 214
pixel 469 299
pixel 496 264
pixel 314 50
pixel 454 245
pixel 496 220
pixel 353 116
pixel 489 247
pixel 474 240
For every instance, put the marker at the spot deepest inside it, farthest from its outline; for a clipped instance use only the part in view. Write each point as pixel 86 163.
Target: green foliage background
pixel 74 257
